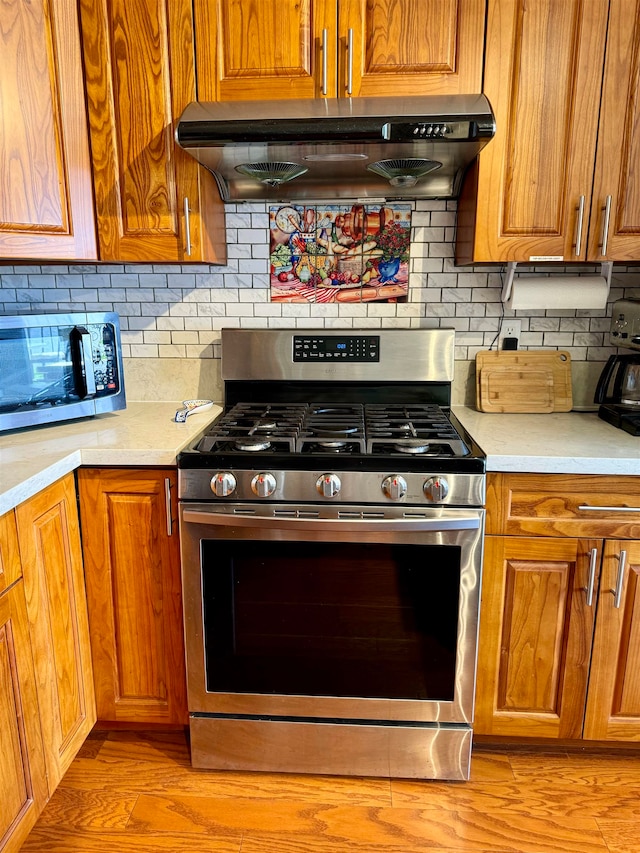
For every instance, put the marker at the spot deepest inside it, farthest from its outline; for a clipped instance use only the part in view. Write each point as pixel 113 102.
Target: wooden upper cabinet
pixel 46 200
pixel 543 74
pixel 153 201
pixel 617 175
pixel 613 706
pixel 49 537
pixel 410 48
pixel 265 49
pixel 271 49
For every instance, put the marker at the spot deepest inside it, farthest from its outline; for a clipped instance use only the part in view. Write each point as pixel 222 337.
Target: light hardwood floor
pixel 128 792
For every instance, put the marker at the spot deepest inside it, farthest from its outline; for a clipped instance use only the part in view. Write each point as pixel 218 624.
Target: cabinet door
pixel 132 564
pixel 266 49
pixel 617 176
pixel 10 566
pixel 543 75
pixel 536 627
pixel 23 781
pixel 49 537
pixel 410 48
pixel 154 201
pixel 46 201
pixel 613 706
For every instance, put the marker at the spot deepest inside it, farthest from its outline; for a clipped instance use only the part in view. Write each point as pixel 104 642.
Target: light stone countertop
pixel 146 434
pixel 555 443
pixel 142 434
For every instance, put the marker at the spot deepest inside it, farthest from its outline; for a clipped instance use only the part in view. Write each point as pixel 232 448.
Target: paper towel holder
pixel 606 268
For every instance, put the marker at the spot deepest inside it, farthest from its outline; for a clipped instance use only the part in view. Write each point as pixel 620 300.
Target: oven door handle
pixel 428 525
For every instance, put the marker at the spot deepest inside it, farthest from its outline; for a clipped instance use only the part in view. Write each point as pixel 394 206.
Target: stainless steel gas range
pixel 332 524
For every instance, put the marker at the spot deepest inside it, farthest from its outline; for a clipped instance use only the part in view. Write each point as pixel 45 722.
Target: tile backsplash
pixel 174 312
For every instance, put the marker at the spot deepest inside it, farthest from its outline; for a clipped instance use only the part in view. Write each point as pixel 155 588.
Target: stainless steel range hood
pixel 347 148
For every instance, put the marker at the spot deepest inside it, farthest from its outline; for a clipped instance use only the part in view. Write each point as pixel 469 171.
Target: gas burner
pixel 415 449
pixel 332 429
pixel 263 426
pixel 344 411
pixel 252 445
pixel 431 449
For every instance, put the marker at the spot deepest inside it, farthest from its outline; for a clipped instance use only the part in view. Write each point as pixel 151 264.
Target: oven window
pixel 331 619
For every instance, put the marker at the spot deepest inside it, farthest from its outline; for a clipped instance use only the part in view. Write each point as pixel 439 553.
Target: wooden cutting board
pixel 523 381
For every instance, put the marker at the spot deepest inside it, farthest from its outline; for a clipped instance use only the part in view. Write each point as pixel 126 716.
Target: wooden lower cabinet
pixel 132 566
pixel 23 780
pixel 535 637
pixel 613 700
pixel 51 555
pixel 559 637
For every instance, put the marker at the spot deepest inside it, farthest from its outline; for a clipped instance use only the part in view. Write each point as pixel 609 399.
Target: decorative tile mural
pixel 339 253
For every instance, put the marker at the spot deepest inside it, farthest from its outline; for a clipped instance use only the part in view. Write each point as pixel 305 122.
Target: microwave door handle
pixel 85 355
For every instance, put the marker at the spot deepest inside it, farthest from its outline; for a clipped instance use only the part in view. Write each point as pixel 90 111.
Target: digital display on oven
pixel 343 348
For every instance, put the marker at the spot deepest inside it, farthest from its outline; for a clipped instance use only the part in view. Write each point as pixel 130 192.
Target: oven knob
pixel 223 484
pixel 394 487
pixel 328 485
pixel 436 489
pixel 263 485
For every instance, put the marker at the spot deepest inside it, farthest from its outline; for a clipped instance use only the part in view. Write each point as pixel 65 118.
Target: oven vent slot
pixel 295 513
pixel 243 511
pixel 414 515
pixel 354 514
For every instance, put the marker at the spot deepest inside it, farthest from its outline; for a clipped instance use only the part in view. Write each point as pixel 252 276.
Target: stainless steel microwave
pixel 56 367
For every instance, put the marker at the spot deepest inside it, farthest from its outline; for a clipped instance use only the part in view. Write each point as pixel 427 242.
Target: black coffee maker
pixel 618 388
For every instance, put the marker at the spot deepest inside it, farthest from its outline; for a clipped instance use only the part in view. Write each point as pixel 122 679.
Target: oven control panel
pixel 331 347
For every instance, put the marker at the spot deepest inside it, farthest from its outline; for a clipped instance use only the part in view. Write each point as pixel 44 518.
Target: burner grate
pixel 255 428
pixel 411 430
pixel 332 428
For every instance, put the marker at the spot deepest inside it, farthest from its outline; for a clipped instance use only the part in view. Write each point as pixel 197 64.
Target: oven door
pixel 349 614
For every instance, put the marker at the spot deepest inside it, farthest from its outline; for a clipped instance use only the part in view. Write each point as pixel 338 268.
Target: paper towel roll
pixel 558 291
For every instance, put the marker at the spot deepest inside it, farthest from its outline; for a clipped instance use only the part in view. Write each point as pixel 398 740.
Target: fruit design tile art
pixel 339 253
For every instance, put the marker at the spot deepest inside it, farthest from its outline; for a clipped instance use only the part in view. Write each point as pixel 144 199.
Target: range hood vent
pixel 272 174
pixel 346 148
pixel 404 173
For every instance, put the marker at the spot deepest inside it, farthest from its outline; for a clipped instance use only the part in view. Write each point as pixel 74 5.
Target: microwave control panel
pixel 104 358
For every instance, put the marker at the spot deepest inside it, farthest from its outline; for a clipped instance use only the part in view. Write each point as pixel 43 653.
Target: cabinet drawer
pixel 563 505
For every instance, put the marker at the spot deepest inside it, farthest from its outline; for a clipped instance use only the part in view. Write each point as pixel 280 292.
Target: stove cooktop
pixel 418 436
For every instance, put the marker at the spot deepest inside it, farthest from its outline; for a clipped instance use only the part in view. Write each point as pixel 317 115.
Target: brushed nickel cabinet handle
pixel 167 504
pixel 610 508
pixel 579 222
pixel 325 43
pixel 617 592
pixel 605 226
pixel 187 225
pixel 350 61
pixel 593 563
